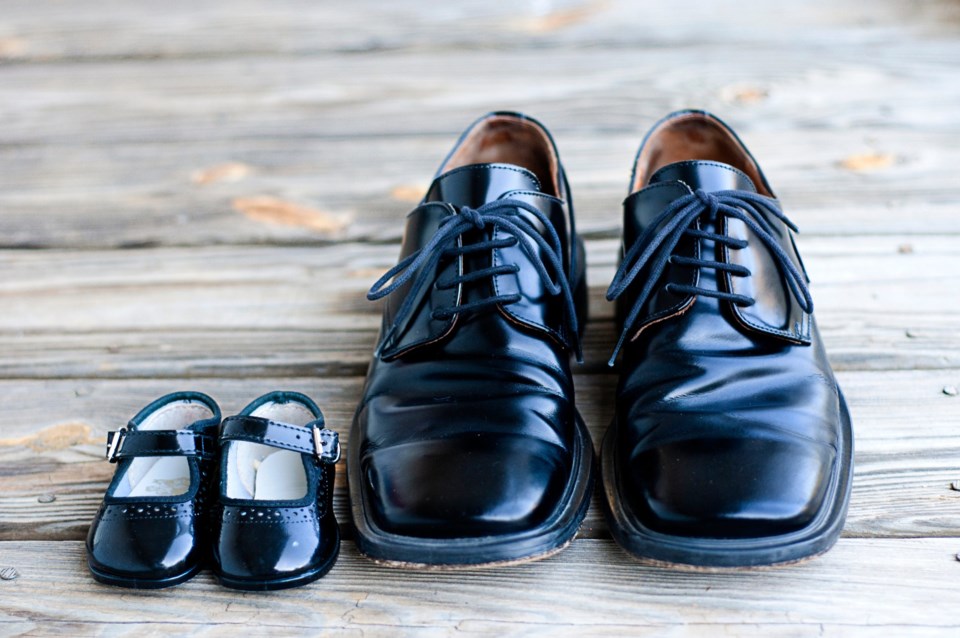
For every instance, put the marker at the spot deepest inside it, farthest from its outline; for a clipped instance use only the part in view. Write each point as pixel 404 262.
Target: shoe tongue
pixel 705 175
pixel 478 184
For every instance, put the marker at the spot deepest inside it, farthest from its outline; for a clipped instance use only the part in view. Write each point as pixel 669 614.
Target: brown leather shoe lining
pixel 507 139
pixel 693 137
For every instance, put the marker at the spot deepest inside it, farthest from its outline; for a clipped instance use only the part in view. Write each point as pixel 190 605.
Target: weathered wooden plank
pixel 423 92
pixel 51 435
pixel 132 30
pixel 362 155
pixel 854 341
pixel 350 135
pixel 323 287
pixel 301 310
pixel 125 126
pixel 121 194
pixel 861 586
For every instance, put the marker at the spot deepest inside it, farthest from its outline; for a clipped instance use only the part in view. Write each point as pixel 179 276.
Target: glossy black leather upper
pixel 727 413
pixel 261 543
pixel 466 423
pixel 138 540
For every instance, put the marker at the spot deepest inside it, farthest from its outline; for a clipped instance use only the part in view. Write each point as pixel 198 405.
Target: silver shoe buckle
pixel 326 448
pixel 115 444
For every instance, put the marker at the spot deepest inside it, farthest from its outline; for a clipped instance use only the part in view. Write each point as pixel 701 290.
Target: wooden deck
pixel 197 194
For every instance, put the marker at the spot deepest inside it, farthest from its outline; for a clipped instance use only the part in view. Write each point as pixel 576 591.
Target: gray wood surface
pixel 197 196
pixel 868 586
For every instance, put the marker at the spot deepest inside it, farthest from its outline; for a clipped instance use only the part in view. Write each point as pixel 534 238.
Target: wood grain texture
pixel 198 197
pixel 854 340
pixel 908 445
pixel 296 310
pixel 136 193
pixel 592 588
pixel 131 30
pixel 344 133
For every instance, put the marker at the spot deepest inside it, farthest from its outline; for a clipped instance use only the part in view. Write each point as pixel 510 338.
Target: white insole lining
pixel 264 473
pixel 162 475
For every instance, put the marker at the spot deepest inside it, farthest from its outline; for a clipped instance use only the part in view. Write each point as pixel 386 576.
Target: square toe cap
pixel 729 487
pixel 466 486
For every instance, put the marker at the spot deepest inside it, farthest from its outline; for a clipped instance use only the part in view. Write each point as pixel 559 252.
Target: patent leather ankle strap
pixel 126 443
pixel 312 438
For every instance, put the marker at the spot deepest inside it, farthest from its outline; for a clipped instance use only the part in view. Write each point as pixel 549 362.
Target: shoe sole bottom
pixel 711 554
pixel 413 552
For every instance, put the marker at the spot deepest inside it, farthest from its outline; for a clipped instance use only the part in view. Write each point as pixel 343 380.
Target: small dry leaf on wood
pixel 864 162
pixel 558 18
pixel 229 172
pixel 367 273
pixel 273 210
pixel 55 437
pixel 744 94
pixel 12 47
pixel 408 193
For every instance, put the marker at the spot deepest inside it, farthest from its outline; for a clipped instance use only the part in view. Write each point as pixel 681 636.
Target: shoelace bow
pixel 502 214
pixel 655 248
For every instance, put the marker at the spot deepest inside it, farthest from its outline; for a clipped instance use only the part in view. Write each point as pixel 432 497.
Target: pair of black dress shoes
pixel 731 443
pixel 251 497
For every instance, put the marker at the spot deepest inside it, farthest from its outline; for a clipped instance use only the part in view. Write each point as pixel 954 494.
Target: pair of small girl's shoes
pixel 251 496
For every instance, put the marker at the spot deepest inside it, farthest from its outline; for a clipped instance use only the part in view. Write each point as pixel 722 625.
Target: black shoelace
pixel 655 248
pixel 502 214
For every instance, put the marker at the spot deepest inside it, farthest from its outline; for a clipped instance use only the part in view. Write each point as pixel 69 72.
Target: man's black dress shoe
pixel 275 526
pixel 731 443
pixel 152 529
pixel 466 448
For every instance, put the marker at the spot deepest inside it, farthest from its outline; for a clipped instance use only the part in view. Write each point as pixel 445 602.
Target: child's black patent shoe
pixel 152 528
pixel 275 526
